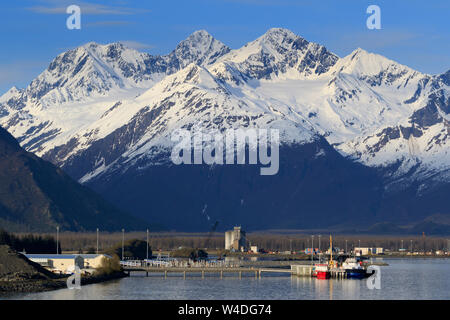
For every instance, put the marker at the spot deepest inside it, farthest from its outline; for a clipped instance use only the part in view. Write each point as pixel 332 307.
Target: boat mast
pixel 331 249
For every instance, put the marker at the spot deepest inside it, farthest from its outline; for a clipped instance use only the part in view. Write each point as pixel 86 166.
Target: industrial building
pixel 366 251
pixel 66 263
pixel 235 240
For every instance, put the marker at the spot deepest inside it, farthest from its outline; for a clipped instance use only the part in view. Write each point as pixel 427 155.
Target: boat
pixel 353 268
pixel 322 271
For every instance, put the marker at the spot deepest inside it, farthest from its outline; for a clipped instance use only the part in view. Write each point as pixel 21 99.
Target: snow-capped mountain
pixel 102 111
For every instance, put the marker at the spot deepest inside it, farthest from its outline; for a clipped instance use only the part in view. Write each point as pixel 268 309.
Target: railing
pixel 179 264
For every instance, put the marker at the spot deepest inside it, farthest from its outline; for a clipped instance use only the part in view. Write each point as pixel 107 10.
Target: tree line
pixel 29 243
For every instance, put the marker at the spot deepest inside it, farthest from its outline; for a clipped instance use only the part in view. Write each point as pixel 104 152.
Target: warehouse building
pixel 66 263
pixel 58 263
pixel 366 251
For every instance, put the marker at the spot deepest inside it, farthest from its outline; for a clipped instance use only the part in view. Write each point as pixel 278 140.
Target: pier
pixel 203 269
pixel 257 272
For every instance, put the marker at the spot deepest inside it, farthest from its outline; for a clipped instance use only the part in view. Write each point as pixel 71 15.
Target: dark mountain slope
pixel 37 196
pixel 315 187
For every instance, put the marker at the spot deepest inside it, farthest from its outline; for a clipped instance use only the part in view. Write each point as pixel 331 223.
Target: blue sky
pixel 415 33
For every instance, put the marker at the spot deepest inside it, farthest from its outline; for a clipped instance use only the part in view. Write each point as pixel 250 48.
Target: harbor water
pixel 413 278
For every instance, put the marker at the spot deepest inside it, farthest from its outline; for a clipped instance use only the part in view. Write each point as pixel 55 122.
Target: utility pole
pixel 123 241
pixel 424 244
pixel 57 239
pixel 147 245
pixel 97 240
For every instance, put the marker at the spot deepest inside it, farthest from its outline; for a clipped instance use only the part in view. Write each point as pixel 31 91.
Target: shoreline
pixel 43 285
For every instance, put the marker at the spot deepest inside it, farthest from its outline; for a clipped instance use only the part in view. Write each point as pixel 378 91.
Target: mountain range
pixel 364 139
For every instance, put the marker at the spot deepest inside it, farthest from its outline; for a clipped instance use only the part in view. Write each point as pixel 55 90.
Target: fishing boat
pixel 353 268
pixel 322 271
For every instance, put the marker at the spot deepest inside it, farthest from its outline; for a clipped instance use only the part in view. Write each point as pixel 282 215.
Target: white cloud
pixel 59 7
pixel 136 44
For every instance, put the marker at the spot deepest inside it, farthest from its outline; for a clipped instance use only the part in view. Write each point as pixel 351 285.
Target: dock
pixel 257 272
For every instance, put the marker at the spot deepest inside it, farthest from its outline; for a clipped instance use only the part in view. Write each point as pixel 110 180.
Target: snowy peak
pixel 93 69
pixel 281 53
pixel 13 92
pixel 200 48
pixel 280 39
pixel 88 71
pixel 375 69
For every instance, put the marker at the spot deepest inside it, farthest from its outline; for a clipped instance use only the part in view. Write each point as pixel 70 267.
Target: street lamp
pixel 147 245
pixel 57 239
pixel 346 246
pixel 123 241
pixel 312 248
pixel 97 240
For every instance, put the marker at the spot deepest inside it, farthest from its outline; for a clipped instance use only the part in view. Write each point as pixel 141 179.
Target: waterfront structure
pixel 235 239
pixel 366 251
pixel 58 263
pixel 66 263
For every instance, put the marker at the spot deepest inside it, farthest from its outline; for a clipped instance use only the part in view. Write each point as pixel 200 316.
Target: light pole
pixel 410 245
pixel 346 246
pixel 123 241
pixel 320 252
pixel 312 248
pixel 402 245
pixel 57 239
pixel 147 245
pixel 97 240
pixel 359 244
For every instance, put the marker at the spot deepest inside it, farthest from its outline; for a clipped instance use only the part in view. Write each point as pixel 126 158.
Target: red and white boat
pixel 322 271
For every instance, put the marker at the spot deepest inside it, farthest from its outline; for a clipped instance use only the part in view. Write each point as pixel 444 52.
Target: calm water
pixel 402 279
